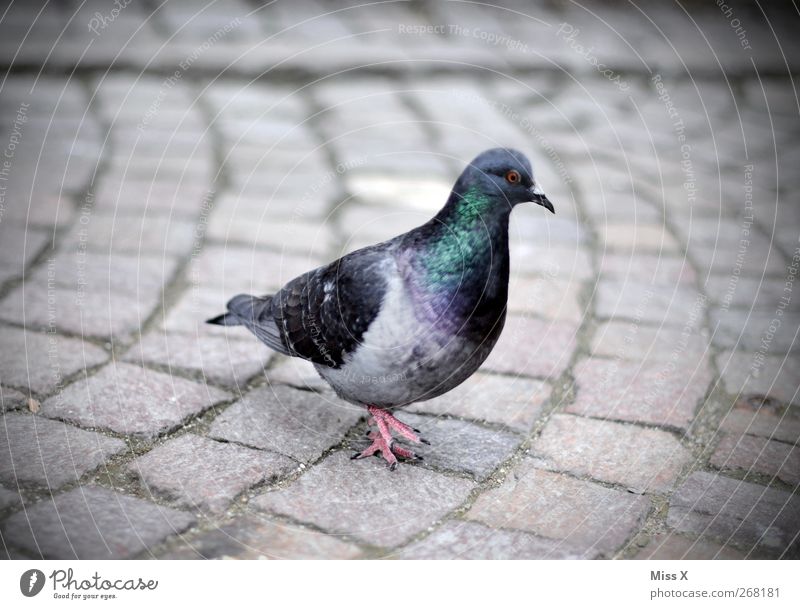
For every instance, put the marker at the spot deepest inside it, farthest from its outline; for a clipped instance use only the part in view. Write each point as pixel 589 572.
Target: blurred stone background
pixel 159 158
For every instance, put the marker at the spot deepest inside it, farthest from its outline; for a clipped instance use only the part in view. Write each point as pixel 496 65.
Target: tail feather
pixel 226 319
pixel 243 310
pixel 249 308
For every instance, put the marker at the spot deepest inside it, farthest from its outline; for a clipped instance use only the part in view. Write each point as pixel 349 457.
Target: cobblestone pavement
pixel 157 159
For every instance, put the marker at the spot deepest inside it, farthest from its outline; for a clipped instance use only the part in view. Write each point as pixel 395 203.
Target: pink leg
pixel 382 439
pixel 379 445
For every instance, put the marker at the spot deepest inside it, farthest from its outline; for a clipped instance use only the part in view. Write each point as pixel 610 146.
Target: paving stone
pixel 92 522
pixel 460 446
pixel 255 537
pixel 714 231
pixel 8 553
pixel 299 237
pixel 94 314
pixel 285 135
pixel 759 420
pixel 172 166
pixel 649 303
pixel 137 234
pixel 533 347
pixel 566 263
pixel 647 268
pixel 755 331
pixel 365 499
pixel 19 245
pixel 757 258
pixel 585 515
pixel 10 399
pixel 745 292
pixel 300 424
pixel 224 360
pixel 760 455
pixel 426 195
pixel 774 376
pixel 45 210
pixel 379 147
pixel 644 460
pixel 35 450
pixel 362 223
pixel 268 191
pixel 248 100
pixel 669 546
pixel 298 373
pixel 458 540
pixel 203 474
pixel 175 165
pixel 631 341
pixel 247 269
pixel 544 297
pixel 513 402
pixel 42 361
pixel 92 272
pixel 655 393
pixel 132 400
pixel 189 314
pixel 8 498
pixel 529 224
pixel 737 512
pixel 637 238
pixel 177 198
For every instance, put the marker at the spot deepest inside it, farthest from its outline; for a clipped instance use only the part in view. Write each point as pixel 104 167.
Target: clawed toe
pixel 387 422
pixel 379 445
pixel 382 441
pixel 403 452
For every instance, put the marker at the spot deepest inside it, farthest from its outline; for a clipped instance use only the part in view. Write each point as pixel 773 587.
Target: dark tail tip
pixel 226 319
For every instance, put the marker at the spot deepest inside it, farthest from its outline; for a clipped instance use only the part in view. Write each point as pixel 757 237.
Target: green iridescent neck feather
pixel 463 240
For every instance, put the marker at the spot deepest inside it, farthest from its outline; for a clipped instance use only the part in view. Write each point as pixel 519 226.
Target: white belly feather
pixel 400 360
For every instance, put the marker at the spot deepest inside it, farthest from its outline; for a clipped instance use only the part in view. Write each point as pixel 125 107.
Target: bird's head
pixel 505 175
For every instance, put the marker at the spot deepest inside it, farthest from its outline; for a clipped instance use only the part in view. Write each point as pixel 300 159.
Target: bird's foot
pixel 383 442
pixel 389 450
pixel 383 418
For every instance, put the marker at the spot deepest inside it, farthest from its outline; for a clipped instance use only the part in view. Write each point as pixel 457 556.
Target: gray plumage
pixel 408 319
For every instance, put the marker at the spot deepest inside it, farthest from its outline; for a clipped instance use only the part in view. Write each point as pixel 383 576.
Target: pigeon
pixel 411 318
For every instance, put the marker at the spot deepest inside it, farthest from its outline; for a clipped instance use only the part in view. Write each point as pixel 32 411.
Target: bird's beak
pixel 538 197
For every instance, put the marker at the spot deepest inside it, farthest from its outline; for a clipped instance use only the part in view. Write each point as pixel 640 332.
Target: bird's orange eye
pixel 513 177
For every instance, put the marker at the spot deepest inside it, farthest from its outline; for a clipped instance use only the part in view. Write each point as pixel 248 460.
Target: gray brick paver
pixel 586 515
pixel 203 474
pixel 257 537
pixel 92 522
pixel 641 459
pixel 132 400
pixel 48 453
pixel 41 362
pixel 364 499
pixel 658 393
pixel 300 424
pixel 458 540
pixel 741 512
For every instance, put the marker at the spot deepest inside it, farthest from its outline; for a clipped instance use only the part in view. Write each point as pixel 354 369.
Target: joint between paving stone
pixel 427 124
pixel 339 198
pixel 189 536
pixel 76 199
pixel 176 285
pixel 748 475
